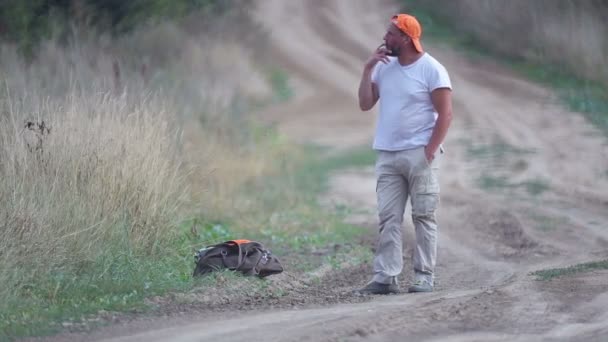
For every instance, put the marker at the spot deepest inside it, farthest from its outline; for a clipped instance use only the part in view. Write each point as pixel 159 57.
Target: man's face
pixel 395 40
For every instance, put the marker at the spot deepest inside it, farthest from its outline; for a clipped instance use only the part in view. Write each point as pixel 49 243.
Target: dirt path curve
pixel 524 187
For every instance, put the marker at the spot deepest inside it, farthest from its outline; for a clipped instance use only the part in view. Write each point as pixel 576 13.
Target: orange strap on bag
pixel 239 242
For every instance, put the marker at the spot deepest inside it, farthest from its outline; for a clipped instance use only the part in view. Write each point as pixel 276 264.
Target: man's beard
pixel 394 52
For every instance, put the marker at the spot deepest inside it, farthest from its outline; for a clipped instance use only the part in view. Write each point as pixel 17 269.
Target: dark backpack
pixel 247 257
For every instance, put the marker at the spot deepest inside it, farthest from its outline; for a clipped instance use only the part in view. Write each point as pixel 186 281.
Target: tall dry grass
pixel 106 143
pixel 88 174
pixel 570 33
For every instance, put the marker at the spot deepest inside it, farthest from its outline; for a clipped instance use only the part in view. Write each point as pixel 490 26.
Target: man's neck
pixel 409 57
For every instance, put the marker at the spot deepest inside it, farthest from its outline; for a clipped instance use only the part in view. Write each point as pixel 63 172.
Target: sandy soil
pixel 524 187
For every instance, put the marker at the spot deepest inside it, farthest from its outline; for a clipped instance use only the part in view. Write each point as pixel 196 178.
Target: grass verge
pixel 286 216
pixel 497 157
pixel 585 96
pixel 546 223
pixel 533 187
pixel 566 271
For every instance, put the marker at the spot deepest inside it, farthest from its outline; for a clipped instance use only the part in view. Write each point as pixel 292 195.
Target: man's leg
pixel 391 191
pixel 424 190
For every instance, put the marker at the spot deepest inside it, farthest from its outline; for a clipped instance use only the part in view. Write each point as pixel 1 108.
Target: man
pixel 414 91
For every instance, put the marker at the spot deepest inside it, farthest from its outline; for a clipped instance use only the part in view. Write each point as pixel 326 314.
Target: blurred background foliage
pixel 569 35
pixel 25 23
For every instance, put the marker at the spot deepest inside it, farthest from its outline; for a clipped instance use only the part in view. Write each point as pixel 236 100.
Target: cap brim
pixel 417 45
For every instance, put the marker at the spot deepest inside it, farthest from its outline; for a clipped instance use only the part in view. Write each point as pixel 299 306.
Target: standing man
pixel 414 90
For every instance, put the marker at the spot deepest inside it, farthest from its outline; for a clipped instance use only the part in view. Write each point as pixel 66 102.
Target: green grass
pixel 547 223
pixel 535 186
pixel 496 156
pixel 292 217
pixel 279 81
pixel 587 97
pixel 355 255
pixel 492 183
pixel 498 150
pixel 566 271
pixel 117 282
pixel 315 174
pixel 289 219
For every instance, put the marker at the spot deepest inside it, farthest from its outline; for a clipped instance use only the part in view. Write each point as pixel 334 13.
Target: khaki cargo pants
pixel 400 175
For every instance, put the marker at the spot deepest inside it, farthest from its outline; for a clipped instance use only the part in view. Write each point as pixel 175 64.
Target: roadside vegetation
pixel 128 141
pixel 550 274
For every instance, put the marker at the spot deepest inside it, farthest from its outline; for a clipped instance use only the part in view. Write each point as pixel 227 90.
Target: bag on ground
pixel 248 257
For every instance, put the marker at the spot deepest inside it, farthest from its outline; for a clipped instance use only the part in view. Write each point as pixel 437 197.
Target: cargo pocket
pixel 425 194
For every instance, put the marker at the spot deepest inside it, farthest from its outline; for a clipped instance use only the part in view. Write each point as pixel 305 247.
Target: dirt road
pixel 524 187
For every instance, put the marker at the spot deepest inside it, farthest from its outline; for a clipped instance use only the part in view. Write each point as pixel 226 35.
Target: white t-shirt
pixel 407 115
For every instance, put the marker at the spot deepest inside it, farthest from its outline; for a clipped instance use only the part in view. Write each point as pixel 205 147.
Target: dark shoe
pixel 421 286
pixel 375 288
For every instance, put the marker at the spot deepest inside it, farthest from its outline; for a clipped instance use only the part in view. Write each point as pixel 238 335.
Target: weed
pixel 490 182
pixel 560 272
pixel 548 223
pixel 497 150
pixel 495 156
pixel 279 81
pixel 535 187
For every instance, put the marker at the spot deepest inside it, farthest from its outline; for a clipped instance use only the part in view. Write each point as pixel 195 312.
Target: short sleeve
pixel 439 78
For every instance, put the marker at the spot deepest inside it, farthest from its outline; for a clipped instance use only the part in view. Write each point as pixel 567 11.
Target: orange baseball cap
pixel 409 25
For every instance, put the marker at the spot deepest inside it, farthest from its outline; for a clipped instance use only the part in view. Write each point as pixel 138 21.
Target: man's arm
pixel 368 91
pixel 442 101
